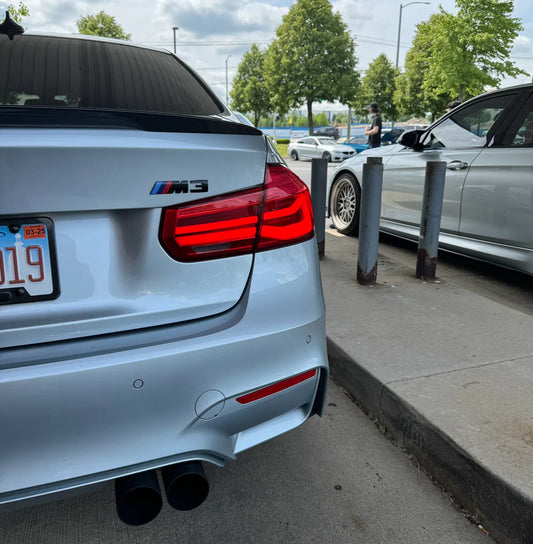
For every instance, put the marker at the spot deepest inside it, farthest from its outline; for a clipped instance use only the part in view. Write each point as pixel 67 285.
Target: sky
pixel 213 34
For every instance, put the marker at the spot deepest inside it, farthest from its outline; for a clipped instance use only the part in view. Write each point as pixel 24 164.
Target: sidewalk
pixel 448 373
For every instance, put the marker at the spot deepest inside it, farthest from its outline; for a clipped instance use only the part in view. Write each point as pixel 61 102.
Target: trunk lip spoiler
pixel 51 116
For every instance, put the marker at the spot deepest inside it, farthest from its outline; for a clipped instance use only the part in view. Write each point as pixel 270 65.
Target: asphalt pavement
pixel 446 369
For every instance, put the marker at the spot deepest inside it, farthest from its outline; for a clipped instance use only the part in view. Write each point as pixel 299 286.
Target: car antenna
pixel 10 28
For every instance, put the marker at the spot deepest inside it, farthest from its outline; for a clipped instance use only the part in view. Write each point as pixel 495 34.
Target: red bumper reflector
pixel 276 388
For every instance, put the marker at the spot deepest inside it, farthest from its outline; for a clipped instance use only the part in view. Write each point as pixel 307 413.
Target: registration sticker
pixel 28 271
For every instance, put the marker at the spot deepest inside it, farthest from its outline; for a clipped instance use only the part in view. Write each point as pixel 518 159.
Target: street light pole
pixel 400 28
pixel 227 58
pixel 174 28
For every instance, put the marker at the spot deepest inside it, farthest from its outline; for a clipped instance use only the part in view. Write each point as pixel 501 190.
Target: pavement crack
pixel 455 370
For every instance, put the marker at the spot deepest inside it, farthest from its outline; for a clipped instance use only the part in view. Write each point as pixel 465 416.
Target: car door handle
pixel 457 165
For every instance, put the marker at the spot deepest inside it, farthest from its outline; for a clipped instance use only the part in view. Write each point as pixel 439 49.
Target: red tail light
pixel 277 214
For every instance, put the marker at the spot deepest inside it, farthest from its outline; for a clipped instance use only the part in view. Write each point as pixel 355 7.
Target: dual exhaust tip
pixel 139 499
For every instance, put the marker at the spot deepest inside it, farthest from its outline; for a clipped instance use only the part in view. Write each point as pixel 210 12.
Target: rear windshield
pixel 79 73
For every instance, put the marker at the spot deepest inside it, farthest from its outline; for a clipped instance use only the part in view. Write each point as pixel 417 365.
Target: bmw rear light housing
pixel 276 387
pixel 273 215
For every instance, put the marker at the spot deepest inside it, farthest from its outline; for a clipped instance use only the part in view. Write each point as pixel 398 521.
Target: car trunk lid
pixel 99 188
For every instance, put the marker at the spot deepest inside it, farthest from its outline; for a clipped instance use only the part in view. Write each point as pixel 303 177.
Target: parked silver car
pixel 316 147
pixel 487 144
pixel 160 297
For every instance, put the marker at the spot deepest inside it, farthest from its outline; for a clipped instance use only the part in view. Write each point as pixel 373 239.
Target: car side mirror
pixel 411 139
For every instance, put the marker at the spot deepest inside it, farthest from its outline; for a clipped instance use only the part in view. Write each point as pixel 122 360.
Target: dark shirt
pixel 374 140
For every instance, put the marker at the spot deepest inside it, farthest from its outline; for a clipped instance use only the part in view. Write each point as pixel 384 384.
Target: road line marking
pixel 334 233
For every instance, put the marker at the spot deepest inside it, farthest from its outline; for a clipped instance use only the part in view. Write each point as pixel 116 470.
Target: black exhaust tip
pixel 186 485
pixel 138 498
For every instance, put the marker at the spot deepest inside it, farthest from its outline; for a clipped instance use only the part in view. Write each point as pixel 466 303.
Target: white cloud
pixel 523 44
pixel 221 18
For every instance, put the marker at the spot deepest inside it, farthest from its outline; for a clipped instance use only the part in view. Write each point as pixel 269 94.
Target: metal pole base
pixel 321 249
pixel 367 279
pixel 426 266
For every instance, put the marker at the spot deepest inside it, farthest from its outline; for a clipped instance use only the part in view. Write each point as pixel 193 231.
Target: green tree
pixel 341 118
pixel 249 92
pixel 378 85
pixel 301 121
pixel 471 49
pixel 17 12
pixel 283 120
pixel 312 58
pixel 322 120
pixel 414 95
pixel 103 25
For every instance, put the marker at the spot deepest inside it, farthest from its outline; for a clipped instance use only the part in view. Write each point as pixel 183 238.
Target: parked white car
pixel 316 147
pixel 487 144
pixel 160 296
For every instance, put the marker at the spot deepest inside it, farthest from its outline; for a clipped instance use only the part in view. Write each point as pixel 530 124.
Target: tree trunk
pixel 310 116
pixel 349 123
pixel 461 93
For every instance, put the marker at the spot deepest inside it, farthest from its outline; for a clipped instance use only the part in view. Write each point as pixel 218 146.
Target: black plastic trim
pixel 44 116
pixel 18 295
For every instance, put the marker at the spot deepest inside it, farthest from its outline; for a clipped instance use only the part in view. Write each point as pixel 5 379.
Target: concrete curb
pixel 501 508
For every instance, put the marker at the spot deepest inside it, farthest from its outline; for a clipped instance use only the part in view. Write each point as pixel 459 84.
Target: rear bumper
pixel 82 412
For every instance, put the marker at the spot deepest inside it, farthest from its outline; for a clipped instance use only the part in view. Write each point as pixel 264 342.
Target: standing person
pixel 374 130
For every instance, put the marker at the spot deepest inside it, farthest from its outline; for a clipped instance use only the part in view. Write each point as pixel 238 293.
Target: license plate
pixel 28 271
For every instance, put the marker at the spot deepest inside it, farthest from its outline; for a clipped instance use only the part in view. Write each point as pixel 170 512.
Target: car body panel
pixel 499 183
pixel 152 407
pixel 403 186
pixel 96 179
pixel 106 208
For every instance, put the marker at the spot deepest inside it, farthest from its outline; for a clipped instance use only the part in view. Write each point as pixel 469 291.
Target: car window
pixel 243 119
pixel 326 141
pixel 82 73
pixel 470 126
pixel 308 141
pixel 523 135
pixel 391 136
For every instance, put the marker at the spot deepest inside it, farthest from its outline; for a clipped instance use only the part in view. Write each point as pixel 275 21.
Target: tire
pixel 294 155
pixel 344 204
pixel 326 156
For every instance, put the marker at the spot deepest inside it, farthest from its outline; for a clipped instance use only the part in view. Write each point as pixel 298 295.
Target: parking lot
pixel 303 168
